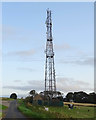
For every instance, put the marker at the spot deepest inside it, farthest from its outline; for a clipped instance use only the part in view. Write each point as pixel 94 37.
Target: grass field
pixel 80 104
pixel 56 112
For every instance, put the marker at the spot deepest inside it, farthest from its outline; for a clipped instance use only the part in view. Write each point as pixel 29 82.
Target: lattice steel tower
pixel 50 81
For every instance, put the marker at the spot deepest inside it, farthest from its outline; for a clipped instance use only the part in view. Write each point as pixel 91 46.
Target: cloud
pixel 26 69
pixel 17 80
pixel 69 84
pixel 80 61
pixel 63 84
pixel 15 33
pixel 81 53
pixel 8 31
pixel 37 85
pixel 64 46
pixel 22 53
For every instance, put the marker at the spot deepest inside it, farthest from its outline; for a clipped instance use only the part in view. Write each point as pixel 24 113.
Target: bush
pixel 29 99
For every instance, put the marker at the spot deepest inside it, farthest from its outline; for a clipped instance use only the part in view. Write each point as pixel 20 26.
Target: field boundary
pixel 80 104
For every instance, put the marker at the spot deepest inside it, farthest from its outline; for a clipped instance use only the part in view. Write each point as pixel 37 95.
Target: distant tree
pixel 59 93
pixel 41 93
pixel 13 96
pixel 65 99
pixel 60 98
pixel 92 98
pixel 28 99
pixel 33 93
pixel 49 95
pixel 80 97
pixel 69 96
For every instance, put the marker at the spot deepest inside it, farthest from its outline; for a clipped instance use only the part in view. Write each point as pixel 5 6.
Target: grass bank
pixel 56 112
pixel 35 111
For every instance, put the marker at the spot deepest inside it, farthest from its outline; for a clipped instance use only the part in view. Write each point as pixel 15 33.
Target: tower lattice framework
pixel 50 81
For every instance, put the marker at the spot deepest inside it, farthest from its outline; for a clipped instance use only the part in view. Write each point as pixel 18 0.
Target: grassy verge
pixel 0 114
pixel 2 107
pixel 36 111
pixel 4 98
pixel 55 112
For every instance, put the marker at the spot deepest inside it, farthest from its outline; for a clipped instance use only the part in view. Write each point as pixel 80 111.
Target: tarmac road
pixel 13 112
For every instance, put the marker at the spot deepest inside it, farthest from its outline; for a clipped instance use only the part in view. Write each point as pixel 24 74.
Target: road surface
pixel 13 112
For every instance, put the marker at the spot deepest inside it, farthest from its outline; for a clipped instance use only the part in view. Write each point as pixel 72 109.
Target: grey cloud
pixel 26 69
pixel 64 46
pixel 35 82
pixel 25 88
pixel 69 84
pixel 63 84
pixel 84 61
pixel 19 34
pixel 22 53
pixel 8 30
pixel 37 85
pixel 17 80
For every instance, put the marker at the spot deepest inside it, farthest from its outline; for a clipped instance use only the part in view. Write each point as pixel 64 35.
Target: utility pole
pixel 50 81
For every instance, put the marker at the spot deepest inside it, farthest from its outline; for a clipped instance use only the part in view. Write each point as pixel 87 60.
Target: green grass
pixel 8 99
pixel 56 112
pixel 2 107
pixel 78 112
pixel 34 111
pixel 0 114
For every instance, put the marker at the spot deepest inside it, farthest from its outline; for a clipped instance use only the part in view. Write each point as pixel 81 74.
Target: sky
pixel 24 41
pixel 48 0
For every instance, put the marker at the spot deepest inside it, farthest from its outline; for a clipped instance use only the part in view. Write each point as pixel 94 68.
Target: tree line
pixel 81 97
pixel 78 97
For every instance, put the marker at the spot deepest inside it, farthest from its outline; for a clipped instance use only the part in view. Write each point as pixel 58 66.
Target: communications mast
pixel 50 81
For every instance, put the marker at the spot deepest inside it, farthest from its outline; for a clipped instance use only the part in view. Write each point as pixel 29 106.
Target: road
pixel 13 112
